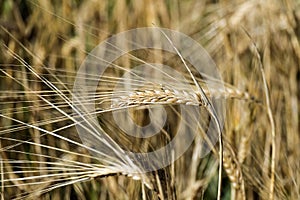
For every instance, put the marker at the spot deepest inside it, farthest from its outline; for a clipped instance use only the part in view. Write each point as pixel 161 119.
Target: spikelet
pixel 157 96
pixel 233 169
pixel 166 95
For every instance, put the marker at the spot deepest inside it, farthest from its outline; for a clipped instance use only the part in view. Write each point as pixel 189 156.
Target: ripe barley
pixel 233 170
pixel 43 157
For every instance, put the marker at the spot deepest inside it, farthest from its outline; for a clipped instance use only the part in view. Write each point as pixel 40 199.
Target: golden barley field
pixel 56 143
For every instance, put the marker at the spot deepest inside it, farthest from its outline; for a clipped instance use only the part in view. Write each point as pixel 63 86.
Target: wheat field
pixel 255 46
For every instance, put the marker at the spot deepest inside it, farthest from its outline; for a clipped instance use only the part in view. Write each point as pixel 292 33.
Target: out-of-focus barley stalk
pixel 271 119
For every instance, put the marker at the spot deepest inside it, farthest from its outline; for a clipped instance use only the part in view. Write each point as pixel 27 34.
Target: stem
pixel 270 116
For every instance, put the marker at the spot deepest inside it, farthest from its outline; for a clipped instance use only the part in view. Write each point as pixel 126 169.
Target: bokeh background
pixel 58 35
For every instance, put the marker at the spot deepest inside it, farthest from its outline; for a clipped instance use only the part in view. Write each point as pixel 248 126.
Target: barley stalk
pixel 233 170
pixel 270 117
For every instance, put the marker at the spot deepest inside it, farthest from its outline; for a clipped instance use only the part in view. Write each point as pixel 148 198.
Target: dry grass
pixel 42 47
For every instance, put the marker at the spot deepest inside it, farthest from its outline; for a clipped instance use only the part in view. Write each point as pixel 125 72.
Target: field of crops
pixel 80 102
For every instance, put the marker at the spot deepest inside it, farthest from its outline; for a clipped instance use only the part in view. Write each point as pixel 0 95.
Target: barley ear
pixel 233 170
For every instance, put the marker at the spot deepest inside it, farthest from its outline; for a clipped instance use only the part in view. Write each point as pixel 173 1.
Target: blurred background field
pixel 58 35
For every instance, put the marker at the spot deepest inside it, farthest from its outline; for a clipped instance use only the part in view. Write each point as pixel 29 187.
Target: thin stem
pixel 270 116
pixel 211 111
